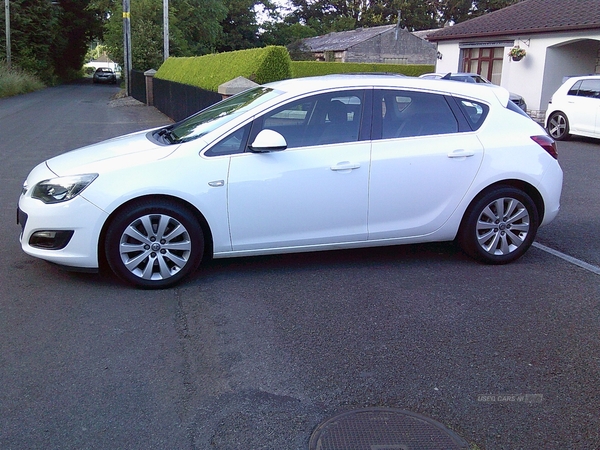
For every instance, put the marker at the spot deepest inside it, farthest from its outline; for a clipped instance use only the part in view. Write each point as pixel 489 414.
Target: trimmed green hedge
pixel 261 65
pixel 313 68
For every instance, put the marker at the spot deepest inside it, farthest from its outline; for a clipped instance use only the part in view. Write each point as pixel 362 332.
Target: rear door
pixel 583 107
pixel 421 165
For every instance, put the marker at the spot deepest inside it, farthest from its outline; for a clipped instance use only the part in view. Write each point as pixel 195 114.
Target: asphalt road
pixel 254 353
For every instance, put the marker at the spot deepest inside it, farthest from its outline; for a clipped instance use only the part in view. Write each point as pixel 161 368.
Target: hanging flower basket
pixel 517 53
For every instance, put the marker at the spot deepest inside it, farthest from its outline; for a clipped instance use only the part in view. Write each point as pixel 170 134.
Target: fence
pixel 138 85
pixel 179 101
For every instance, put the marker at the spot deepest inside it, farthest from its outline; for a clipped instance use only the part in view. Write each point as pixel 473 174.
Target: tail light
pixel 547 143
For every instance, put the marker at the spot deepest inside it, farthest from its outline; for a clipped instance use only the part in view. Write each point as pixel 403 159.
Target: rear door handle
pixel 461 153
pixel 345 165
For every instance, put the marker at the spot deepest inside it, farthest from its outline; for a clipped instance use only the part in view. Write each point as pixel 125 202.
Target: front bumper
pixel 64 233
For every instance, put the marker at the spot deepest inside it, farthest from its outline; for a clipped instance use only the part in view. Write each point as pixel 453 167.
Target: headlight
pixel 61 189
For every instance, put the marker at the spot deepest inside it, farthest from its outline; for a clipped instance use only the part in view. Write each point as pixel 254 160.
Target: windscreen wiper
pixel 167 135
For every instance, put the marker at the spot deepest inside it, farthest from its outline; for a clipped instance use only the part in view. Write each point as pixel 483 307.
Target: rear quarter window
pixel 475 112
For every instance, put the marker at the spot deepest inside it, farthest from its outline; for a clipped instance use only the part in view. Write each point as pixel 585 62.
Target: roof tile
pixel 344 40
pixel 533 16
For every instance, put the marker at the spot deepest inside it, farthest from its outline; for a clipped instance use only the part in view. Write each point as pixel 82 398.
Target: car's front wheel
pixel 558 126
pixel 500 226
pixel 154 244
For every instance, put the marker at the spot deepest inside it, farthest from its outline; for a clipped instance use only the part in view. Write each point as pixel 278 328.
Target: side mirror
pixel 268 141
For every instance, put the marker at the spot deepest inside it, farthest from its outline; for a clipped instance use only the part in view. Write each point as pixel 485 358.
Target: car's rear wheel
pixel 154 244
pixel 500 226
pixel 558 126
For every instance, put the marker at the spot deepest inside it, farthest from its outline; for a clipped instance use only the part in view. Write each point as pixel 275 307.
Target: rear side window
pixel 586 88
pixel 474 112
pixel 408 114
pixel 589 88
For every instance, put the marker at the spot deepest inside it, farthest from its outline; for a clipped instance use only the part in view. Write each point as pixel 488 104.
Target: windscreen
pixel 217 115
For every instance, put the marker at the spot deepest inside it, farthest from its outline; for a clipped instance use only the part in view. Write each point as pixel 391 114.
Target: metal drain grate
pixel 383 429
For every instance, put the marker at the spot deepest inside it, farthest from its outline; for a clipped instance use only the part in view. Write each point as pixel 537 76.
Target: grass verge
pixel 14 81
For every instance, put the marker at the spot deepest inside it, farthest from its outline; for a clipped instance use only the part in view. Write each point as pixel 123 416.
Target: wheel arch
pixel 208 238
pixel 518 184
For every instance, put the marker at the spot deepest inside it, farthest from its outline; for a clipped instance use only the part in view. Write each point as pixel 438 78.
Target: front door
pixel 315 191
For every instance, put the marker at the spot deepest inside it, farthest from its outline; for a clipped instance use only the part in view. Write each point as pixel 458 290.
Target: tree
pixel 33 26
pixel 49 39
pixel 240 28
pixel 199 22
pixel 282 33
pixel 146 34
pixel 460 10
pixel 335 15
pixel 77 27
pixel 193 29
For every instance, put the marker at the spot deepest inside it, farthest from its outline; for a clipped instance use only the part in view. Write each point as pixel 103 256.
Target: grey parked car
pixel 474 78
pixel 105 75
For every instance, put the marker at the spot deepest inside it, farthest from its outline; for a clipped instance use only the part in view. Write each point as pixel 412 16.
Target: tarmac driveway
pixel 254 353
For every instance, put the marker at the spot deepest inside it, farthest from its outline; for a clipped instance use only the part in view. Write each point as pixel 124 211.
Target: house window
pixel 487 62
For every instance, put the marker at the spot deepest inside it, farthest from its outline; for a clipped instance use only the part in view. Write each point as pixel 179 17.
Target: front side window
pixel 317 120
pixel 574 89
pixel 235 142
pixel 407 114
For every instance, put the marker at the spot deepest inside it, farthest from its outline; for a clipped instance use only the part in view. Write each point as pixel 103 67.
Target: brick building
pixel 384 44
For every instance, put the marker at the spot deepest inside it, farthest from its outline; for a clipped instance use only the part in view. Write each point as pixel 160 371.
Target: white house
pixel 103 61
pixel 561 39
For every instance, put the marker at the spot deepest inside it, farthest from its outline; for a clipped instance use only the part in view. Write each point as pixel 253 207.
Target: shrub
pixel 313 68
pixel 261 65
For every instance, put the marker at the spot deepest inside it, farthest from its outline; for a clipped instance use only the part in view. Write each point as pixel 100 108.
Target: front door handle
pixel 345 165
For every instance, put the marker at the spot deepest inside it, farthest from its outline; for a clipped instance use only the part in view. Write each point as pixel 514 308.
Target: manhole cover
pixel 383 429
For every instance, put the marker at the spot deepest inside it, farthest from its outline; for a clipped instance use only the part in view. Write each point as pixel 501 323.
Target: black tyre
pixel 558 126
pixel 499 227
pixel 154 244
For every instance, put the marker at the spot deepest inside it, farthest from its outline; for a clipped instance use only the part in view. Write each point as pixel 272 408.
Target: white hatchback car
pixel 300 165
pixel 575 108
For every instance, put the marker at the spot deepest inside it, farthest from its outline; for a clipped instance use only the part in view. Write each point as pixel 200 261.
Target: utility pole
pixel 127 44
pixel 166 29
pixel 7 17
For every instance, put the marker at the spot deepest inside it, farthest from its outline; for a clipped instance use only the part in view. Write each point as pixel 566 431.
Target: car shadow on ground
pixel 430 254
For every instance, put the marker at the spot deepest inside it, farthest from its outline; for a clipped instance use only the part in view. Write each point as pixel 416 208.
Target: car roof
pixel 452 74
pixel 583 77
pixel 486 92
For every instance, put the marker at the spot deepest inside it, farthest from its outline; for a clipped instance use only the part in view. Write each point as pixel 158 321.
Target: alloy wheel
pixel 502 226
pixel 155 247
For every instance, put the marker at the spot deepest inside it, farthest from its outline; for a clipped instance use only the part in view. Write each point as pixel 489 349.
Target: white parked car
pixel 575 108
pixel 305 164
